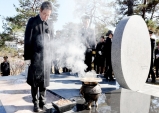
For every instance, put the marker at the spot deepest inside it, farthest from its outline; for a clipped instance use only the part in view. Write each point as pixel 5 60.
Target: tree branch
pixel 153 12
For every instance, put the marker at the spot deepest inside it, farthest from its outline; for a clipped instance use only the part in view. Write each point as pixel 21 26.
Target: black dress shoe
pixel 36 107
pixel 112 79
pixel 153 81
pixel 106 77
pixel 41 104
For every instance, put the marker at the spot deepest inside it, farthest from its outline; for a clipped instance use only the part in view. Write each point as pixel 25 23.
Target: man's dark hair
pixel 102 37
pixel 109 32
pixel 150 32
pixel 5 57
pixel 46 5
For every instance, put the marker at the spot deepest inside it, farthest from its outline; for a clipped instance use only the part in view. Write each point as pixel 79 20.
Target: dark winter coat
pixel 152 50
pixel 100 59
pixel 37 43
pixel 156 61
pixel 107 49
pixel 5 68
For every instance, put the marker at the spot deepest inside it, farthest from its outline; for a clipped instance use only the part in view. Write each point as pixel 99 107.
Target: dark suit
pixel 100 58
pixel 151 65
pixel 37 43
pixel 156 61
pixel 108 70
pixel 5 68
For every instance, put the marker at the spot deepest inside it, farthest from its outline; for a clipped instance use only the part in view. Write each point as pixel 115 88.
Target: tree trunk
pixel 153 12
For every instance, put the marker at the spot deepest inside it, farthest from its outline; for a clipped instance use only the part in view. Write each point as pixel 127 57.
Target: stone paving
pixel 15 94
pixel 67 85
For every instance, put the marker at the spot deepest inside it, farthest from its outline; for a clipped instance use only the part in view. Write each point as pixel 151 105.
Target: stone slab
pixel 68 86
pixel 2 110
pixel 131 52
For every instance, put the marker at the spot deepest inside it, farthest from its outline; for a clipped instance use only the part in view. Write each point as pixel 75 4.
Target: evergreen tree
pixel 26 9
pixel 148 9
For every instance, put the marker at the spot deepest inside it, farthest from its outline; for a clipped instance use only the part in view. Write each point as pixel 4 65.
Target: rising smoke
pixel 69 47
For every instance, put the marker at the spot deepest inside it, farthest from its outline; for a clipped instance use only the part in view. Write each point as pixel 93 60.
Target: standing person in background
pixel 152 41
pixel 108 44
pixel 100 58
pixel 37 43
pixel 88 39
pixel 157 59
pixel 5 67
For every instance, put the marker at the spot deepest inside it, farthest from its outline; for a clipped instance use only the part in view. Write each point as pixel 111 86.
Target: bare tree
pixel 99 10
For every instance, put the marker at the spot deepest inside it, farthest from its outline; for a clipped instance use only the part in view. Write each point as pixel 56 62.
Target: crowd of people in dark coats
pixel 103 56
pixel 97 56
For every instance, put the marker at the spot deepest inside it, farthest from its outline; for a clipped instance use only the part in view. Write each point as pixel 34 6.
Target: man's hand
pixel 28 62
pixel 92 59
pixel 157 56
pixel 100 53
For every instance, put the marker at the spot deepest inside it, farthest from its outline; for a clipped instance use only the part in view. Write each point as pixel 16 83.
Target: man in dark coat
pixel 5 67
pixel 107 48
pixel 37 44
pixel 157 59
pixel 100 58
pixel 88 39
pixel 151 65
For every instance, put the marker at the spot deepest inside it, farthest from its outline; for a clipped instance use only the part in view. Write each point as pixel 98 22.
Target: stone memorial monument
pixel 131 52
